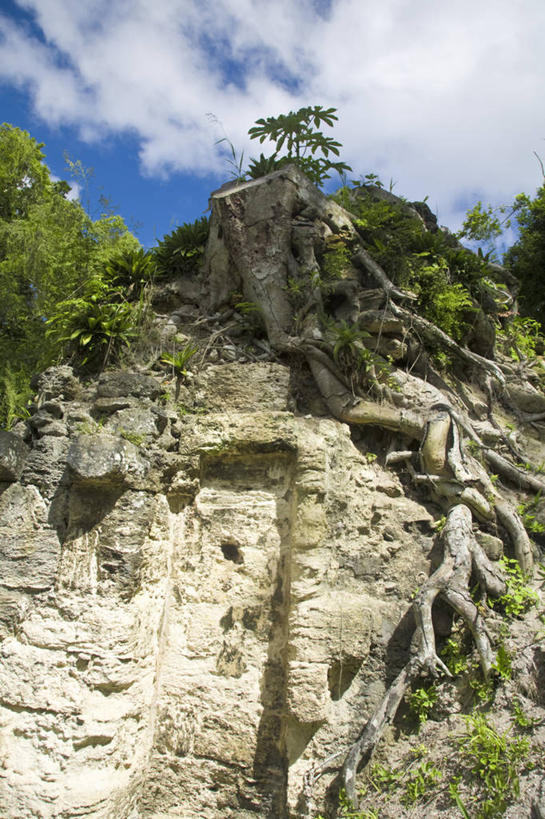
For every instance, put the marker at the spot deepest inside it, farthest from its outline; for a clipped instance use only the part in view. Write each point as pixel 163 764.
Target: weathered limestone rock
pixel 188 651
pixel 13 452
pixel 29 547
pixel 102 458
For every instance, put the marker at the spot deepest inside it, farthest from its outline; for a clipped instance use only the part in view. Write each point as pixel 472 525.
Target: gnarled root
pixel 451 582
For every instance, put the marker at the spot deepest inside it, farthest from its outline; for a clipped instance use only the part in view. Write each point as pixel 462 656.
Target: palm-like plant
pixel 131 269
pixel 92 329
pixel 297 132
pixel 180 252
pixel 179 360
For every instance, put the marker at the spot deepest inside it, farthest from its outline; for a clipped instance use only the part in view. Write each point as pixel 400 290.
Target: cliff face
pixel 208 585
pixel 189 622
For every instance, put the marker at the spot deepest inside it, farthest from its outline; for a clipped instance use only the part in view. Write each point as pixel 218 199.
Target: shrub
pixel 180 253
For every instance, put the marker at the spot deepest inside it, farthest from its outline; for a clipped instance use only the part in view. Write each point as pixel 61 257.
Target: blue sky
pixel 445 99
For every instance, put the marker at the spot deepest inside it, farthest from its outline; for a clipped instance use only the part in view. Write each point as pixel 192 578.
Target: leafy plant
pixel 133 437
pixel 529 520
pixel 521 338
pixel 521 719
pixel 519 597
pixel 296 133
pixel 14 396
pixel 179 360
pixel 421 702
pixel 252 317
pixel 92 329
pixel 455 796
pixel 235 162
pixel 483 689
pixel 419 782
pixel 495 761
pixel 336 260
pixel 265 165
pixel 344 336
pixel 384 779
pixel 180 252
pixel 431 264
pixel 528 253
pixel 503 665
pixel 49 248
pixel 131 269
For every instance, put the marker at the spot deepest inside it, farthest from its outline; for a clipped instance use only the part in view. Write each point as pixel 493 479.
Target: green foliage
pixel 519 597
pixel 344 337
pixel 15 394
pixel 529 520
pixel 180 253
pixel 455 796
pixel 419 782
pixel 482 224
pixel 444 303
pixel 483 689
pixel 130 269
pixel 442 275
pixel 521 339
pixel 93 328
pixel 440 524
pixel 252 317
pixel 297 133
pixel 265 165
pixel 336 260
pixel 422 701
pixel 526 258
pixel 133 437
pixel 495 761
pixel 179 360
pixel 521 719
pixel 347 811
pixel 503 665
pixel 413 782
pixel 24 179
pixel 383 779
pixel 49 248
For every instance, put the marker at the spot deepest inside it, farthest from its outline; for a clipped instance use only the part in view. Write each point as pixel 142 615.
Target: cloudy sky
pixel 443 98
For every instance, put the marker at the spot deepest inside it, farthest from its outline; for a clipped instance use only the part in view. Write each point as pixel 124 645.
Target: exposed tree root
pixel 451 582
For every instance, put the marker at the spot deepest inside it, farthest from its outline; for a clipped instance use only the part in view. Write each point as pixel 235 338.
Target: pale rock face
pixel 187 632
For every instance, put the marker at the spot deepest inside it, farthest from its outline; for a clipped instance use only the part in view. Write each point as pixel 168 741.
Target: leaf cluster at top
pixel 296 133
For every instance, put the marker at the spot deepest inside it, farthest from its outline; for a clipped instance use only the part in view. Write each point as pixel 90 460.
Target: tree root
pixel 451 582
pixel 433 334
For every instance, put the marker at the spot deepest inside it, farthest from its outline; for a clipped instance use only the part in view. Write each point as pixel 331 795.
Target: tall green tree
pixel 526 258
pixel 49 249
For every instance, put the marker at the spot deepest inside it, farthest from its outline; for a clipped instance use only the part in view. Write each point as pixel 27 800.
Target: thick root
pixel 451 582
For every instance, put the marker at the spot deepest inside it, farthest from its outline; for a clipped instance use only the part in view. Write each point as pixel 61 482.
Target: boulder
pixel 13 453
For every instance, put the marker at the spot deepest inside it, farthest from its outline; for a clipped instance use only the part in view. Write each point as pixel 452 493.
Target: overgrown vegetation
pixel 443 276
pixel 50 248
pixel 525 259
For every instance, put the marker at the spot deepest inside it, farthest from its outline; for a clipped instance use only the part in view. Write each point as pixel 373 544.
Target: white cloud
pixel 443 97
